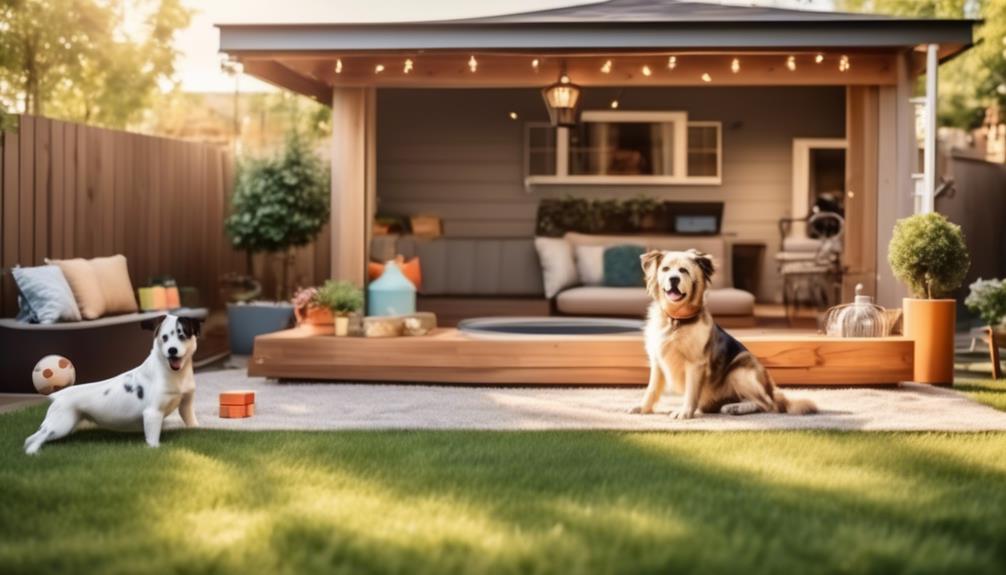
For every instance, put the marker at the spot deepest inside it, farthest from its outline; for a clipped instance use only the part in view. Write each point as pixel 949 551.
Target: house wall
pixel 457 154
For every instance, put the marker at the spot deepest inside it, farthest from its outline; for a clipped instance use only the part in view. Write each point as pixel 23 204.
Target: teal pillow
pixel 621 266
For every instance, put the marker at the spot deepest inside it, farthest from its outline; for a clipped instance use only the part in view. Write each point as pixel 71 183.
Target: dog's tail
pixel 794 406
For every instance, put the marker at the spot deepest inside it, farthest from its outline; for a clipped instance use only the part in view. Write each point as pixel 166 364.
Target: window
pixel 624 148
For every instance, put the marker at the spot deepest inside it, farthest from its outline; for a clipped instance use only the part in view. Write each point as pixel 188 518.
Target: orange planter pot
pixel 931 323
pixel 316 316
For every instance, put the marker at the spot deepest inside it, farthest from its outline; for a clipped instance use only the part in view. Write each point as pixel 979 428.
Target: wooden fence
pixel 70 190
pixel 978 205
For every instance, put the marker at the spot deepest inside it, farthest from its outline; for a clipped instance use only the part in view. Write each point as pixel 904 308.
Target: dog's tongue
pixel 675 295
pixel 175 363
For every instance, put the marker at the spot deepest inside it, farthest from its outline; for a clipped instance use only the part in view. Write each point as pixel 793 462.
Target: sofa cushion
pixel 113 277
pixel 622 266
pixel 557 266
pixel 715 246
pixel 45 297
pixel 86 286
pixel 590 264
pixel 629 301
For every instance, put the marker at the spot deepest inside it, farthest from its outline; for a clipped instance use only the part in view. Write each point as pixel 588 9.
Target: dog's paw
pixel 640 410
pixel 682 414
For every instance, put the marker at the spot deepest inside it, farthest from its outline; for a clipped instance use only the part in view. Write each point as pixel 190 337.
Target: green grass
pixel 987 391
pixel 520 502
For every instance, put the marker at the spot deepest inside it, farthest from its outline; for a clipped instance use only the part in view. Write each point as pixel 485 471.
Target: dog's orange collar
pixel 684 314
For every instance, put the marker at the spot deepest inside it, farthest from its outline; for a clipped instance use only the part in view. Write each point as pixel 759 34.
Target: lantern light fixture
pixel 408 66
pixel 735 65
pixel 535 63
pixel 606 67
pixel 646 71
pixel 791 63
pixel 378 68
pixel 843 63
pixel 672 62
pixel 562 100
pixel 706 77
pixel 819 58
pixel 338 65
pixel 473 64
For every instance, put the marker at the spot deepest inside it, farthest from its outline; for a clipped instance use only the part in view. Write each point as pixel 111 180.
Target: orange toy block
pixel 237 411
pixel 237 397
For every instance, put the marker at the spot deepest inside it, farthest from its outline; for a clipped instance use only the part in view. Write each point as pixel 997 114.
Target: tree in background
pixel 974 80
pixel 84 60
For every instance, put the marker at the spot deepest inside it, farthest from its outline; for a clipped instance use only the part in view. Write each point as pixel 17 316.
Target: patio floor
pixel 386 406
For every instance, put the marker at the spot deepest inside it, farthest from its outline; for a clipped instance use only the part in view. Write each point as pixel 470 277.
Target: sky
pixel 198 67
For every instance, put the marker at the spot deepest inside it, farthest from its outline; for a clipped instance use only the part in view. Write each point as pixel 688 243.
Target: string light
pixel 378 68
pixel 513 115
pixel 647 72
pixel 735 66
pixel 819 58
pixel 338 65
pixel 614 104
pixel 672 62
pixel 473 64
pixel 606 67
pixel 534 64
pixel 843 63
pixel 706 77
pixel 564 79
pixel 408 66
pixel 791 63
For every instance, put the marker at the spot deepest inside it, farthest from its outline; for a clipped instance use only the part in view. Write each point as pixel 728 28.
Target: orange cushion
pixel 410 269
pixel 113 276
pixel 85 285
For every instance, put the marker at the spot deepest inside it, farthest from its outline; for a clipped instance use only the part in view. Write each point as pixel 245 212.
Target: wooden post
pixel 994 352
pixel 353 146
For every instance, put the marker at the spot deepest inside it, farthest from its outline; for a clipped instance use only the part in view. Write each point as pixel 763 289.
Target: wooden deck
pixel 447 356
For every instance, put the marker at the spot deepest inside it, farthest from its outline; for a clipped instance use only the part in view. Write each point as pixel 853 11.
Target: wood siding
pixel 458 155
pixel 68 190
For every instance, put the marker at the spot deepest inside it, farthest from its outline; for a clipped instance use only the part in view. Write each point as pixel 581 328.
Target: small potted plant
pixel 988 299
pixel 928 253
pixel 343 298
pixel 307 310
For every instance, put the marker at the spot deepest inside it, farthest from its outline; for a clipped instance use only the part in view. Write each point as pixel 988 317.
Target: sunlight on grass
pixel 544 502
pixel 987 391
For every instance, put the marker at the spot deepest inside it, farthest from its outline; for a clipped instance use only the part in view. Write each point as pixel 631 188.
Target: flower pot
pixel 341 325
pixel 315 315
pixel 931 323
pixel 245 321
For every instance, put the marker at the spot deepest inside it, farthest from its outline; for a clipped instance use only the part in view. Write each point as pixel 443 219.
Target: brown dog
pixel 712 370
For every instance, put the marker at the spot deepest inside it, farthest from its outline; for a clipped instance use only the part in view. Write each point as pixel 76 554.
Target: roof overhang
pixel 299 56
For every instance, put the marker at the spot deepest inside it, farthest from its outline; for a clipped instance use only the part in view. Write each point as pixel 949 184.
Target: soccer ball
pixel 53 373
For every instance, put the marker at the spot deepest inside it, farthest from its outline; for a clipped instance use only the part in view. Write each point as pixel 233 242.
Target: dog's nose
pixel 675 281
pixel 172 351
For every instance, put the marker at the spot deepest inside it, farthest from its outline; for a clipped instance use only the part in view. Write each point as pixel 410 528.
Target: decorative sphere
pixel 53 373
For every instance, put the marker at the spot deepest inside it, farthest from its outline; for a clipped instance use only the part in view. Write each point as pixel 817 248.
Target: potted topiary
pixel 279 203
pixel 343 298
pixel 988 299
pixel 928 253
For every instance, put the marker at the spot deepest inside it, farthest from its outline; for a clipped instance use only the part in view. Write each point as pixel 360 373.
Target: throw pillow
pixel 84 283
pixel 45 296
pixel 622 267
pixel 558 270
pixel 113 277
pixel 590 264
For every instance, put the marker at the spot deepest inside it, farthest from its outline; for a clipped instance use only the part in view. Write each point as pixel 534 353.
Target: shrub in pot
pixel 343 298
pixel 927 252
pixel 987 298
pixel 279 203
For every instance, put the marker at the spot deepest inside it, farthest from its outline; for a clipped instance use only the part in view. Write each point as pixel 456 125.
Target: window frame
pixel 680 150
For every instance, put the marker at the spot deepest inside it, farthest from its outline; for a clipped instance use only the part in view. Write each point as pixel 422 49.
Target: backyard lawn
pixel 511 502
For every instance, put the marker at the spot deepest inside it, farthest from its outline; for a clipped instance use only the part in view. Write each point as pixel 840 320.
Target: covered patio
pixel 447 118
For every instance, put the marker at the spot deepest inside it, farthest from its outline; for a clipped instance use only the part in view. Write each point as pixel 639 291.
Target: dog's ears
pixel 649 260
pixel 705 263
pixel 191 326
pixel 152 324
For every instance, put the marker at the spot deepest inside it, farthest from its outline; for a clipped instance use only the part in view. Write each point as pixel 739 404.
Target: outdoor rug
pixel 386 406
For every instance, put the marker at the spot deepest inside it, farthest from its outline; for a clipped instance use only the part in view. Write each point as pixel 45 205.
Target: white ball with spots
pixel 53 373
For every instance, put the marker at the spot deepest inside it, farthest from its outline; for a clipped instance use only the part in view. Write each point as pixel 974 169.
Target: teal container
pixel 392 293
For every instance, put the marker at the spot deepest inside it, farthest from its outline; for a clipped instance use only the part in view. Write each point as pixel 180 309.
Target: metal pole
pixel 929 151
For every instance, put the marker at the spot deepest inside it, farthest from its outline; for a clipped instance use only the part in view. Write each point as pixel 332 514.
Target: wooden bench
pixel 447 356
pixel 98 348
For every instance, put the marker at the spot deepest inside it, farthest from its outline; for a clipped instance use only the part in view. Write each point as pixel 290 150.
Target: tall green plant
pixel 988 299
pixel 928 253
pixel 279 203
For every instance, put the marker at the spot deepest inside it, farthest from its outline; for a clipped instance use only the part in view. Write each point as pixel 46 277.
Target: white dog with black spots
pixel 138 399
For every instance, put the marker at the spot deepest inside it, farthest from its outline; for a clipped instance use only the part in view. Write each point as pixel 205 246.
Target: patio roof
pixel 300 56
